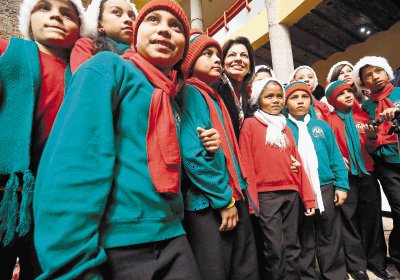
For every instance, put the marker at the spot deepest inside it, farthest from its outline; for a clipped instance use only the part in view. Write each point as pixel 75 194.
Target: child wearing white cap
pixel 33 75
pixel 374 73
pixel 109 28
pixel 276 186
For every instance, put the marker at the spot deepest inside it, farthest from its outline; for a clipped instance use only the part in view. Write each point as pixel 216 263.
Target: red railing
pixel 227 16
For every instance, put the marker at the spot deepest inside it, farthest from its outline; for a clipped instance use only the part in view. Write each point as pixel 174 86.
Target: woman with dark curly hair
pixel 234 86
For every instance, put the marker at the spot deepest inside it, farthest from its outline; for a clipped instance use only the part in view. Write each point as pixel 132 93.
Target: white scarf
pixel 309 158
pixel 276 125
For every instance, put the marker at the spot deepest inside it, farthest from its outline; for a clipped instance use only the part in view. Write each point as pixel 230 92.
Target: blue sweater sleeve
pixel 74 180
pixel 337 164
pixel 208 173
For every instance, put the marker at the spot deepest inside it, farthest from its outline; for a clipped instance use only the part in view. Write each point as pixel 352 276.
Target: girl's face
pixel 207 67
pixel 161 39
pixel 261 76
pixel 117 21
pixel 298 104
pixel 344 100
pixel 237 62
pixel 307 76
pixel 55 24
pixel 272 99
pixel 346 75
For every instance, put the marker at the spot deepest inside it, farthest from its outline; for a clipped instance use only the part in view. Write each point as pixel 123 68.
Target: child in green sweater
pixel 374 73
pixel 320 236
pixel 34 73
pixel 217 219
pixel 108 186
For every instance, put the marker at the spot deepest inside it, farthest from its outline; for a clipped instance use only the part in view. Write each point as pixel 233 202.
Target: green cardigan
pixel 331 166
pixel 207 172
pixel 94 189
pixel 19 84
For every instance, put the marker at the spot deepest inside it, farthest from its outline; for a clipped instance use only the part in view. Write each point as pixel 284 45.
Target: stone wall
pixel 9 18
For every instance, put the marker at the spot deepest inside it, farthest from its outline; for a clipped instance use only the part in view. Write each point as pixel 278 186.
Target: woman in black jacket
pixel 234 85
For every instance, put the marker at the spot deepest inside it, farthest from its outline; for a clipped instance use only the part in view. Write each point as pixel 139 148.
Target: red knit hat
pixel 295 86
pixel 167 5
pixel 196 31
pixel 197 45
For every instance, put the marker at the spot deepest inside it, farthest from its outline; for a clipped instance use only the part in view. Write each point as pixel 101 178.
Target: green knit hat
pixel 295 86
pixel 334 89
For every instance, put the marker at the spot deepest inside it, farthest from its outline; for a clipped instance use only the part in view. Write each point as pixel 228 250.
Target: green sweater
pixel 331 166
pixel 93 186
pixel 388 152
pixel 207 172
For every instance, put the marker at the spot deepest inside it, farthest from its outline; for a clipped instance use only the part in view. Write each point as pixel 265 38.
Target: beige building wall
pixel 386 44
pixel 9 18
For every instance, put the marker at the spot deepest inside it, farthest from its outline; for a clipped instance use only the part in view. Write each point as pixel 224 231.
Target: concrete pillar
pixel 196 14
pixel 281 48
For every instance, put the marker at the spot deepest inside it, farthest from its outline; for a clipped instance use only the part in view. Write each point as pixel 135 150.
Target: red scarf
pixel 384 103
pixel 163 154
pixel 207 91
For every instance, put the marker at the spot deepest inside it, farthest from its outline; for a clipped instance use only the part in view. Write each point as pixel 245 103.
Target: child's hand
pixel 347 163
pixel 309 212
pixel 340 197
pixel 295 165
pixel 210 139
pixel 388 114
pixel 229 217
pixel 371 131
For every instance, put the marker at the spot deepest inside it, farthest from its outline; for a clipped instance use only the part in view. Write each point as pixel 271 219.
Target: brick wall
pixel 9 18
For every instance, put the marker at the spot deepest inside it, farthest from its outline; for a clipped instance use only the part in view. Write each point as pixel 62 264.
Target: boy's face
pixel 117 20
pixel 207 67
pixel 272 99
pixel 374 78
pixel 307 76
pixel 345 100
pixel 298 104
pixel 55 23
pixel 161 39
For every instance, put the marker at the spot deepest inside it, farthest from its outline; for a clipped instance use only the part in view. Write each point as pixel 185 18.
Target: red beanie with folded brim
pixel 166 5
pixel 197 45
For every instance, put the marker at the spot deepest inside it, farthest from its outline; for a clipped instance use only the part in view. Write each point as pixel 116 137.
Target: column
pixel 196 14
pixel 281 48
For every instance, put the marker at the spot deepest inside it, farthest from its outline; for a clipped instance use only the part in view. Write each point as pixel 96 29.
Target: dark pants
pixel 222 255
pixel 362 229
pixel 169 259
pixel 23 249
pixel 389 176
pixel 258 236
pixel 321 237
pixel 279 211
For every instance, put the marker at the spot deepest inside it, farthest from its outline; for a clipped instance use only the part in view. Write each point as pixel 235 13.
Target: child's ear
pixel 100 28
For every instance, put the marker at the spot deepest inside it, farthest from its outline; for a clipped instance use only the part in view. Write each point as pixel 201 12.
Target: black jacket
pixel 224 90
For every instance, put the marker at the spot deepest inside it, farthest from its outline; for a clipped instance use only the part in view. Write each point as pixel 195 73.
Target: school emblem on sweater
pixel 317 132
